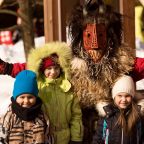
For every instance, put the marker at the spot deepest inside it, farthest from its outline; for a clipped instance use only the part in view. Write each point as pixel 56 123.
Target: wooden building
pixel 55 13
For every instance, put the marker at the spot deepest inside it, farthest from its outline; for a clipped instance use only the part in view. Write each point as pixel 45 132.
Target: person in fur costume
pixel 99 57
pixel 123 122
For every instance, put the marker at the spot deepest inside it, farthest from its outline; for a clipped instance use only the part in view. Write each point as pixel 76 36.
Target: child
pixel 51 63
pixel 24 121
pixel 123 122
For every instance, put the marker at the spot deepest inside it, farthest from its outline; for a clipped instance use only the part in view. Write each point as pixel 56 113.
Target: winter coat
pixel 60 104
pixel 63 110
pixel 107 132
pixel 14 130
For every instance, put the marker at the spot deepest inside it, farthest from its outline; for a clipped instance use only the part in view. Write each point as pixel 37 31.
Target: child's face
pixel 123 100
pixel 26 100
pixel 52 72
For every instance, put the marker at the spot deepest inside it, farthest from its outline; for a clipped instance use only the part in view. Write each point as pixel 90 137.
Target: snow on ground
pixel 11 54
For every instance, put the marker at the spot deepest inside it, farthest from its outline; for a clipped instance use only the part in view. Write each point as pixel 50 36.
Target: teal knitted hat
pixel 25 82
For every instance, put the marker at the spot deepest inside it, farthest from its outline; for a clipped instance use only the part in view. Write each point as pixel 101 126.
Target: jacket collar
pixel 111 109
pixel 63 83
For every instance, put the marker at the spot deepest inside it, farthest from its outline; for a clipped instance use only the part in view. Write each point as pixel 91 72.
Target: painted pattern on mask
pixel 94 37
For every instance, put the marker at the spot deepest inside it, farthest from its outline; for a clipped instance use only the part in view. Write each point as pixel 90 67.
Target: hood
pixel 64 53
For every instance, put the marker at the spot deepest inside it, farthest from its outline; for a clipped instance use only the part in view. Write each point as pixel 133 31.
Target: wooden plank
pixel 55 15
pixel 52 20
pixel 66 7
pixel 127 9
pixel 48 20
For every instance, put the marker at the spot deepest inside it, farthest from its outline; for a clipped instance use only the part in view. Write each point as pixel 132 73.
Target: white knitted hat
pixel 124 84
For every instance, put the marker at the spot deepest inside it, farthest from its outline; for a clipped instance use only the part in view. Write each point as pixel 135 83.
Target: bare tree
pixel 25 12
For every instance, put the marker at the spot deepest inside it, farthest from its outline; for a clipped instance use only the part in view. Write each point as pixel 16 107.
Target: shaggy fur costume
pixel 93 80
pixel 90 91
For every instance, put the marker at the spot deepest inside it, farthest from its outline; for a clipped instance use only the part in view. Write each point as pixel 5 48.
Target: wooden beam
pixel 127 9
pixel 55 15
pixel 52 20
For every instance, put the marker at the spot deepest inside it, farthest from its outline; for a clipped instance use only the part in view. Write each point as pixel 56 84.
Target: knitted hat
pixel 49 61
pixel 124 84
pixel 25 82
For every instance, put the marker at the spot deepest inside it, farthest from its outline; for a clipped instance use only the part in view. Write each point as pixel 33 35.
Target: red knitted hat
pixel 49 61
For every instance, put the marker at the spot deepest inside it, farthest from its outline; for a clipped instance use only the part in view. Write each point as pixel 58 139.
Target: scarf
pixel 26 114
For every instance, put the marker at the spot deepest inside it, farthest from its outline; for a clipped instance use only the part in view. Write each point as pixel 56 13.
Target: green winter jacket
pixel 60 104
pixel 63 109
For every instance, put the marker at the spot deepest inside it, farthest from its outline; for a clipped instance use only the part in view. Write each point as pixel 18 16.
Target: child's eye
pixel 127 96
pixel 57 68
pixel 119 96
pixel 48 68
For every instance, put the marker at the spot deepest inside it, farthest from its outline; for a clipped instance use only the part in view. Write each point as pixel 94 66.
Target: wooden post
pixel 55 15
pixel 127 9
pixel 66 7
pixel 27 24
pixel 52 20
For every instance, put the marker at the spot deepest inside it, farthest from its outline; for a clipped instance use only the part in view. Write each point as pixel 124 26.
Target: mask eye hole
pixel 88 35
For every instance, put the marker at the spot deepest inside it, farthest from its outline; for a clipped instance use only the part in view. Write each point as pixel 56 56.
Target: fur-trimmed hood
pixel 60 48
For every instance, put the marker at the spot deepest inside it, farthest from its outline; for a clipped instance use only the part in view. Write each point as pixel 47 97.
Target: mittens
pixel 5 67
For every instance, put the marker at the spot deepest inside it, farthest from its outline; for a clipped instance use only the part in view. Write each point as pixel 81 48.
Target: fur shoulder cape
pixel 91 91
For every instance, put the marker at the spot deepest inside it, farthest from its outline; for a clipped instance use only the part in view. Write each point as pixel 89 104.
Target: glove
pixel 2 141
pixel 3 134
pixel 5 67
pixel 75 142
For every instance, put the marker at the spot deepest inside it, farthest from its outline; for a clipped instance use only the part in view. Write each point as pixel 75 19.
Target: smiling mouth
pixel 123 103
pixel 25 105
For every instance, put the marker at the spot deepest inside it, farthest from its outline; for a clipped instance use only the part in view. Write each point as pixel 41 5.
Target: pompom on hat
pixel 25 82
pixel 124 84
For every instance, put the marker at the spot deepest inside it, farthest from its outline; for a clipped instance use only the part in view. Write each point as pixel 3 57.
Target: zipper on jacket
pixel 122 137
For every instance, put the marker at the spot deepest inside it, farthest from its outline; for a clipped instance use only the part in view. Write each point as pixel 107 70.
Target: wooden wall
pixel 56 14
pixel 127 8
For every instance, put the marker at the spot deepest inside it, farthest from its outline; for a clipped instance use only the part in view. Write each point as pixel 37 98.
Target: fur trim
pixel 60 48
pixel 78 63
pixel 141 104
pixel 99 107
pixel 89 90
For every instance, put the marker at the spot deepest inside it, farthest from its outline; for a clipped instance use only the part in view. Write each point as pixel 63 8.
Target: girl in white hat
pixel 123 121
